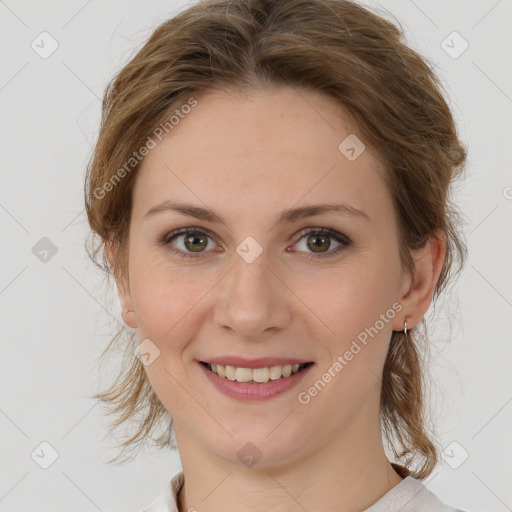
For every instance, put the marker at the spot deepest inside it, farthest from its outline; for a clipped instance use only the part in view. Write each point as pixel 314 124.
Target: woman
pixel 270 190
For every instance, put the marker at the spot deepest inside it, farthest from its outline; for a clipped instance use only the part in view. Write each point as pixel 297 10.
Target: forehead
pixel 277 145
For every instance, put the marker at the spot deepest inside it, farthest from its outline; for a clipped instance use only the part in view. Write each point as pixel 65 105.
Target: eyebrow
pixel 286 217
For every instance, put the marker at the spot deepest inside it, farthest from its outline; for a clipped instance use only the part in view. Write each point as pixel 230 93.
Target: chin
pixel 257 450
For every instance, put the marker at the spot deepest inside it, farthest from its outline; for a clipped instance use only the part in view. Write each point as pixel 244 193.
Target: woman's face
pixel 256 287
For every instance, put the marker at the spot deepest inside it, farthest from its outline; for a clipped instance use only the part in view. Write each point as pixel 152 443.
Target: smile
pixel 255 375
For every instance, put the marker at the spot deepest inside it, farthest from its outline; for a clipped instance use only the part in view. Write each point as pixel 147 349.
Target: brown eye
pixel 187 242
pixel 318 243
pixel 195 242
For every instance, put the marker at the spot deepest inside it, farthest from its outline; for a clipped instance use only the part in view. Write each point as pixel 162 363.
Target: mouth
pixel 255 375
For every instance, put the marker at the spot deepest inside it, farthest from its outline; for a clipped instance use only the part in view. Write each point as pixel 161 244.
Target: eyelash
pixel 342 239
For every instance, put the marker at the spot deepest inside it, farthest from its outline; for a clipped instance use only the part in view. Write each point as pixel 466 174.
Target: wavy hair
pixel 336 47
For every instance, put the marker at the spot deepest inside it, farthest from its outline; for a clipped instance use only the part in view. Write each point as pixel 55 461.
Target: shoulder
pixel 167 501
pixel 411 495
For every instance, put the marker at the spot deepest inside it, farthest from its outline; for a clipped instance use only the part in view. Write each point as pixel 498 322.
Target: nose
pixel 253 299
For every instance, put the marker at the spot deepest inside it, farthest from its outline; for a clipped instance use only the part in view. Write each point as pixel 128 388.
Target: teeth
pixel 243 374
pixel 230 372
pixel 275 372
pixel 260 375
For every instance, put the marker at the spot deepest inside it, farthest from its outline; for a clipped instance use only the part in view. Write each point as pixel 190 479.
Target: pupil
pixel 316 245
pixel 193 239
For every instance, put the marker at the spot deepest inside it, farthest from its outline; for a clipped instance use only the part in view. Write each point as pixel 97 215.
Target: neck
pixel 348 473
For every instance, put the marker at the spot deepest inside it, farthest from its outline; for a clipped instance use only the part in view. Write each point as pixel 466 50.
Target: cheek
pixel 356 306
pixel 167 297
pixel 352 297
pixel 169 313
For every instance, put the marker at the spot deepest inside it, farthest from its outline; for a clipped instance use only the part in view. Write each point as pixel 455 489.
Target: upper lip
pixel 261 362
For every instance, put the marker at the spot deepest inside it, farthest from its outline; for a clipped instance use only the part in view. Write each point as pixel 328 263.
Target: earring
pixel 405 327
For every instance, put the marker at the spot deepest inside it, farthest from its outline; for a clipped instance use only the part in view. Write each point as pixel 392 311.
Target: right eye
pixel 192 238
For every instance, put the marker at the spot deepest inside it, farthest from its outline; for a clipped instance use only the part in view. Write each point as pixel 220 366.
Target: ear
pixel 122 284
pixel 418 288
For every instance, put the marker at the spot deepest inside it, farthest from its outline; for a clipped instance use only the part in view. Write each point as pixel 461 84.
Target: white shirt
pixel 410 495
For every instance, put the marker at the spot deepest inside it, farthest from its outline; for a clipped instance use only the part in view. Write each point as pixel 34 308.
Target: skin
pixel 248 159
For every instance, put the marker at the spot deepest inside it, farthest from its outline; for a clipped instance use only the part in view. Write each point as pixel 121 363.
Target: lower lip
pixel 251 391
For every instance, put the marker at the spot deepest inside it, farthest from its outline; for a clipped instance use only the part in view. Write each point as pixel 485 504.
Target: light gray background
pixel 56 319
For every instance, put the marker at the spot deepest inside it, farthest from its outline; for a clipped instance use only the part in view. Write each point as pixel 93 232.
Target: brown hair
pixel 336 47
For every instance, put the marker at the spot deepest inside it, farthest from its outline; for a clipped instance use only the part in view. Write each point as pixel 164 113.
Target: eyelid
pixel 344 242
pixel 333 233
pixel 340 238
pixel 168 236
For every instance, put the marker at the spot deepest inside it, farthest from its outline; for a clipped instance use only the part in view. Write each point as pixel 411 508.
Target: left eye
pixel 320 239
pixel 196 240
